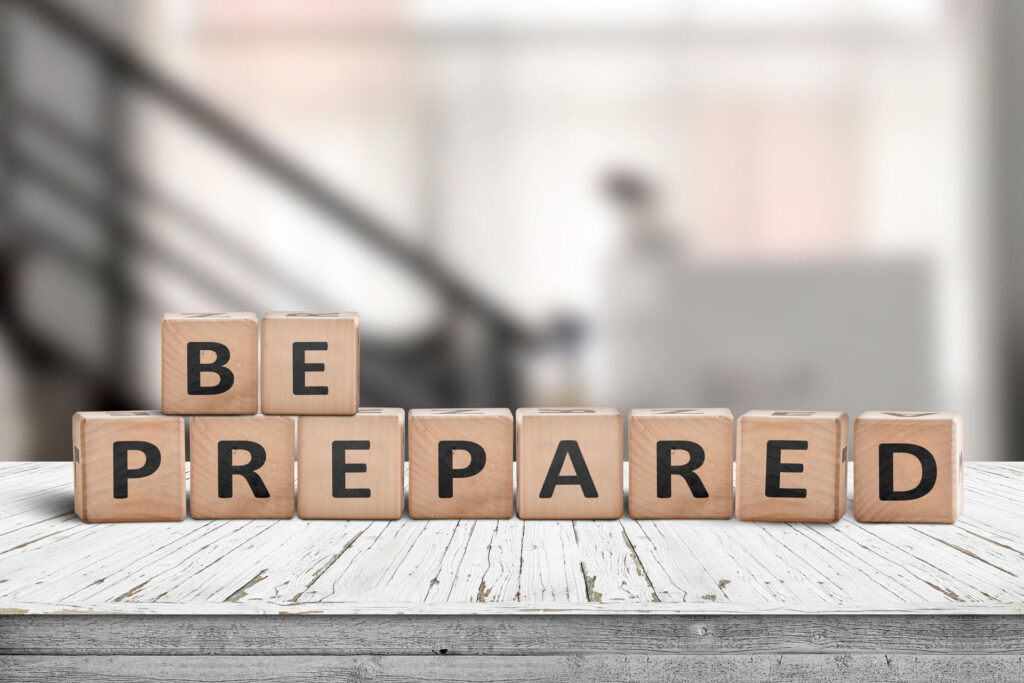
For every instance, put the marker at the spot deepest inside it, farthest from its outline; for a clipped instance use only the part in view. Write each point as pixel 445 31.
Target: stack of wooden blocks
pixel 302 369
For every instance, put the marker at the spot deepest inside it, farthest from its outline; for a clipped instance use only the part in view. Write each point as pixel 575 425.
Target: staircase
pixel 429 371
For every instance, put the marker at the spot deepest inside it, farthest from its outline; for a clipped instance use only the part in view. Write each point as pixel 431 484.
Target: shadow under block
pixel 460 463
pixel 209 363
pixel 129 466
pixel 351 467
pixel 242 467
pixel 680 463
pixel 569 463
pixel 791 466
pixel 310 363
pixel 908 467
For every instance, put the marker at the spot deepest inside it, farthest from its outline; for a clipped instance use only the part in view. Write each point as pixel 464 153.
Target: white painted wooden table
pixel 595 600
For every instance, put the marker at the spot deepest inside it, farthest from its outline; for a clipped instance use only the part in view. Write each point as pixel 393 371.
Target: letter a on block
pixel 569 463
pixel 129 466
pixel 791 466
pixel 310 363
pixel 908 467
pixel 209 363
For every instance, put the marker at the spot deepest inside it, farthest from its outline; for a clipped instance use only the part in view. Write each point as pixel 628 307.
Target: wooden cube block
pixel 310 363
pixel 908 467
pixel 569 463
pixel 209 363
pixel 791 466
pixel 680 463
pixel 129 466
pixel 460 463
pixel 242 467
pixel 352 467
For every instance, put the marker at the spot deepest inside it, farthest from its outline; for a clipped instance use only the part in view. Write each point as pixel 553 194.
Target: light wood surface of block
pixel 242 467
pixel 809 452
pixel 369 479
pixel 129 466
pixel 698 440
pixel 460 463
pixel 221 349
pixel 908 467
pixel 549 437
pixel 310 363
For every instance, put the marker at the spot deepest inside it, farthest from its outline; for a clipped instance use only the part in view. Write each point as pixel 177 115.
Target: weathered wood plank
pixel 615 668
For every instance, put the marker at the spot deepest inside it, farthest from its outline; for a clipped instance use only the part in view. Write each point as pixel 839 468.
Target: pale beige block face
pixel 681 436
pixel 893 439
pixel 257 481
pixel 818 470
pixel 593 433
pixel 467 480
pixel 223 350
pixel 369 480
pixel 310 363
pixel 151 448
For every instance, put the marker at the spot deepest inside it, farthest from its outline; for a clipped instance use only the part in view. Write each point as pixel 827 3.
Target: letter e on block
pixel 351 467
pixel 791 466
pixel 242 467
pixel 569 463
pixel 460 463
pixel 908 467
pixel 310 363
pixel 209 363
pixel 129 466
pixel 680 463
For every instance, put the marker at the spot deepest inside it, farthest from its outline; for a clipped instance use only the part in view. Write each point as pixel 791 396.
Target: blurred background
pixel 795 204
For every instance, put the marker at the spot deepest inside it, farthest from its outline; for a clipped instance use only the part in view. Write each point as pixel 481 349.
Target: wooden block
pixel 569 463
pixel 680 463
pixel 242 467
pixel 129 466
pixel 310 363
pixel 791 466
pixel 209 363
pixel 352 467
pixel 908 467
pixel 460 463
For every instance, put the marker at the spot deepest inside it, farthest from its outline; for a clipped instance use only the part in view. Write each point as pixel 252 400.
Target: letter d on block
pixel 908 467
pixel 129 466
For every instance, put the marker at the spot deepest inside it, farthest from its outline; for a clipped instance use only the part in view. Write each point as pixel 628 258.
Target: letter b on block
pixel 791 466
pixel 129 466
pixel 680 463
pixel 310 363
pixel 209 363
pixel 460 463
pixel 908 467
pixel 243 467
pixel 569 463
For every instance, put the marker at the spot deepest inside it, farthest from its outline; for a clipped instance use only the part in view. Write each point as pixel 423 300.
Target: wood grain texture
pixel 333 371
pixel 814 477
pixel 157 496
pixel 542 435
pixel 710 430
pixel 236 331
pixel 275 435
pixel 940 434
pixel 377 437
pixel 50 563
pixel 484 495
pixel 561 667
